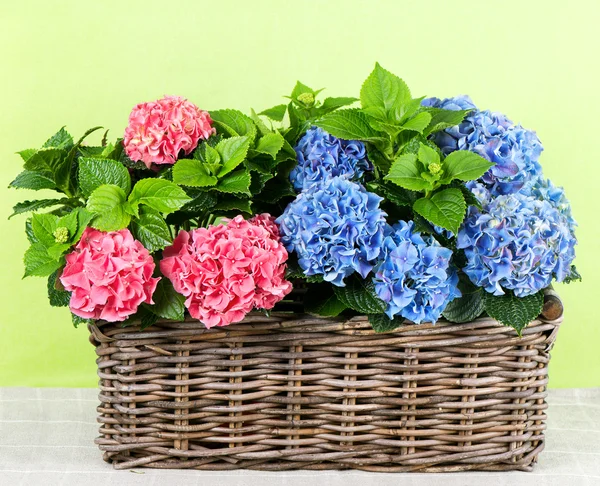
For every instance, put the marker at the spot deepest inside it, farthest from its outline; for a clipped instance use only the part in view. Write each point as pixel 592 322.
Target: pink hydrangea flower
pixel 227 270
pixel 159 130
pixel 109 275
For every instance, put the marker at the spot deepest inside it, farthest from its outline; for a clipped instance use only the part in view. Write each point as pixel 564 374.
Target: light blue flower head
pixel 514 150
pixel 518 241
pixel 414 275
pixel 335 228
pixel 322 156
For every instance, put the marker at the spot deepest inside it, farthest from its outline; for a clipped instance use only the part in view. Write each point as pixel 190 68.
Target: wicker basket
pixel 296 392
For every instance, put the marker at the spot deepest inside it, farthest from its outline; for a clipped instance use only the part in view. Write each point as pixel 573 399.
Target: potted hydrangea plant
pixel 313 286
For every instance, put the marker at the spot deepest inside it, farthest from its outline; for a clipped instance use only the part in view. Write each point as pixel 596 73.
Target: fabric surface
pixel 47 434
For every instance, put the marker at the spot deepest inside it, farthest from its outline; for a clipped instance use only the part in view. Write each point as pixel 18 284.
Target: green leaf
pixel 57 250
pixel 331 104
pixel 146 317
pixel 202 201
pixel 28 206
pixel 512 311
pixel 236 182
pixel 234 123
pixel 383 93
pixel 160 194
pixel 262 163
pixel 43 226
pixel 32 180
pixel 409 109
pixel 38 263
pixel 263 129
pixel 320 299
pixel 301 88
pixel 92 151
pixel 380 161
pixel 574 276
pixel 276 189
pixel 94 173
pixel 29 232
pixel 442 119
pixel 406 172
pixel 168 304
pixel 107 204
pixel 270 144
pixel 80 320
pixel 232 152
pixel 151 230
pixel 445 208
pixel 392 129
pixel 465 166
pixel 418 123
pixel 350 124
pixel 470 198
pixel 83 219
pixel 27 154
pixel 235 204
pixel 294 272
pixel 275 113
pixel 69 221
pixel 427 155
pixel 360 296
pixel 52 163
pixel 60 139
pixel 193 173
pixel 57 298
pixel 258 180
pixel 396 194
pixel 382 323
pixel 468 307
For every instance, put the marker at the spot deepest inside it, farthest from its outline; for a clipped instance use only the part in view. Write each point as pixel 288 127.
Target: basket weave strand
pixel 297 392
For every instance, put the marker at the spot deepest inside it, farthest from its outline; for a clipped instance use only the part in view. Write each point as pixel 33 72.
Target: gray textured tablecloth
pixel 46 439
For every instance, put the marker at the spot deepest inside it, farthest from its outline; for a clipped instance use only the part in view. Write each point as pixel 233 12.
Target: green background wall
pixel 83 63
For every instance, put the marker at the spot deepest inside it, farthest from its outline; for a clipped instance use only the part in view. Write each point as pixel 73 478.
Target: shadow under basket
pixel 292 391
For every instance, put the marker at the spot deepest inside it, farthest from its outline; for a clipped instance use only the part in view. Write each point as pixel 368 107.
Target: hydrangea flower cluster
pixel 514 150
pixel 322 156
pixel 227 270
pixel 336 228
pixel 544 190
pixel 159 130
pixel 518 241
pixel 414 275
pixel 109 275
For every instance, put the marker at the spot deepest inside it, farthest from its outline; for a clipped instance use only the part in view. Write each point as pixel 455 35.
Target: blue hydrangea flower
pixel 414 276
pixel 322 156
pixel 461 102
pixel 335 228
pixel 544 190
pixel 518 241
pixel 514 150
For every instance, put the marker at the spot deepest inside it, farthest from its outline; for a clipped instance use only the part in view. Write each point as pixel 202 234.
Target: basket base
pixel 290 392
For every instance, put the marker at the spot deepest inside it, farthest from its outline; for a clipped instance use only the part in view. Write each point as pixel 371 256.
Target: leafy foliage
pixel 467 307
pixel 360 296
pixel 320 299
pixel 168 304
pixel 382 323
pixel 245 168
pixel 513 311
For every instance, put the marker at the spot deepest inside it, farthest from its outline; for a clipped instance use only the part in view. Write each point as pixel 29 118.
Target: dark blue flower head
pixel 414 276
pixel 518 241
pixel 322 156
pixel 514 150
pixel 335 228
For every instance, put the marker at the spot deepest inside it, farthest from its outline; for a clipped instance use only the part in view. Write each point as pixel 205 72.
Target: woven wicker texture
pixel 296 392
